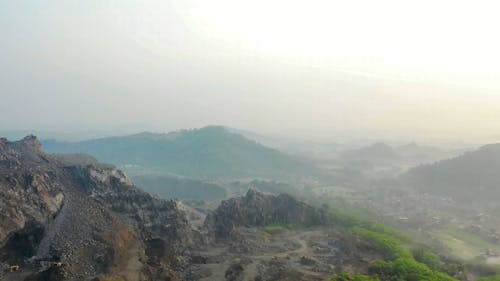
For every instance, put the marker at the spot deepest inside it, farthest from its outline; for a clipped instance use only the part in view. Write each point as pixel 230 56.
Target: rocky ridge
pixel 86 216
pixel 260 209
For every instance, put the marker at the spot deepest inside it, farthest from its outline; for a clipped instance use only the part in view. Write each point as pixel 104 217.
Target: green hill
pixel 210 152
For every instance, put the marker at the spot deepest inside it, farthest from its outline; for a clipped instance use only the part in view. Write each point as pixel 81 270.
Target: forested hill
pixel 474 175
pixel 209 152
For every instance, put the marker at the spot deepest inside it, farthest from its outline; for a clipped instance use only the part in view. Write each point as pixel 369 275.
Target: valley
pixel 230 140
pixel 235 227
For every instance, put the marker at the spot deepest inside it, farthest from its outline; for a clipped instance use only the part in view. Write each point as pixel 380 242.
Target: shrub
pixel 390 247
pixel 428 258
pixel 356 277
pixel 406 269
pixel 401 264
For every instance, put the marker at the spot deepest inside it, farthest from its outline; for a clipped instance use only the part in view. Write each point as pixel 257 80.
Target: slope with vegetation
pixel 403 258
pixel 210 152
pixel 319 240
pixel 472 176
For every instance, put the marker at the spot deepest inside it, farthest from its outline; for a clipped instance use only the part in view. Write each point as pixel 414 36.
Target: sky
pixel 415 70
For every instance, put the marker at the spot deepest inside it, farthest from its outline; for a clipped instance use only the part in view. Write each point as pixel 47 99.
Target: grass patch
pixel 276 227
pixel 350 220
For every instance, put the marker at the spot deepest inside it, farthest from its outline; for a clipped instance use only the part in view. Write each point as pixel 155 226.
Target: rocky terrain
pixel 68 217
pixel 258 209
pixel 315 253
pixel 244 244
pixel 88 217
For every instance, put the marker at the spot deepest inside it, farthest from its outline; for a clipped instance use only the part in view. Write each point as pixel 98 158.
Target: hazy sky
pixel 400 69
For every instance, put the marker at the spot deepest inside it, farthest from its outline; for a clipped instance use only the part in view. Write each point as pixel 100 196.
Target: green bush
pixel 356 277
pixel 401 264
pixel 406 269
pixel 428 258
pixel 390 247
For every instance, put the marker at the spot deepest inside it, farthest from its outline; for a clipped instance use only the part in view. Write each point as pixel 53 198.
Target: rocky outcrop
pixel 259 209
pixel 86 215
pixel 30 195
pixel 113 189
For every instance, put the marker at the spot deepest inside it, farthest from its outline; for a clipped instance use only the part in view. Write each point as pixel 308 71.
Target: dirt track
pixel 308 254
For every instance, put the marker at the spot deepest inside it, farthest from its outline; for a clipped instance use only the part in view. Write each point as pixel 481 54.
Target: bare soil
pixel 299 254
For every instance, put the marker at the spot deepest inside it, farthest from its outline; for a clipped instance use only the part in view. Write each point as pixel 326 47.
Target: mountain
pixel 64 220
pixel 419 154
pixel 472 176
pixel 378 152
pixel 210 152
pixel 409 153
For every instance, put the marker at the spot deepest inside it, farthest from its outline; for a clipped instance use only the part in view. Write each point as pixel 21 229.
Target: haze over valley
pixel 249 140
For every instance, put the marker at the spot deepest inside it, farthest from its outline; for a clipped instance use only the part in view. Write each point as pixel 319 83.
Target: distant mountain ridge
pixel 410 154
pixel 474 175
pixel 377 151
pixel 208 152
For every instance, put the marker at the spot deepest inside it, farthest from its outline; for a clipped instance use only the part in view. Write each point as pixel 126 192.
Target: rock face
pixel 29 196
pixel 259 209
pixel 88 216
